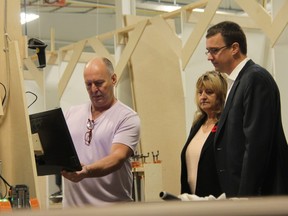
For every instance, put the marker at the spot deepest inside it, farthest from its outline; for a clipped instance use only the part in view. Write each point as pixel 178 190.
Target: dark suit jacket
pixel 250 145
pixel 207 179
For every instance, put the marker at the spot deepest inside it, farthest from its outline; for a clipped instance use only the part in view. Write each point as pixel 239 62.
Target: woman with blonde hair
pixel 198 169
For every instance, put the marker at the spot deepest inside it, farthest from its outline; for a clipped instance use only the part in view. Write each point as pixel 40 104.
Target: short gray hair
pixel 109 65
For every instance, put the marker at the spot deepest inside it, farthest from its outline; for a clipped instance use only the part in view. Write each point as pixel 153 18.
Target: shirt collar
pixel 232 77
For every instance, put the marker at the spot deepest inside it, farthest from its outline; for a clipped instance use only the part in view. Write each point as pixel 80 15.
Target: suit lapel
pixel 209 140
pixel 230 98
pixel 226 108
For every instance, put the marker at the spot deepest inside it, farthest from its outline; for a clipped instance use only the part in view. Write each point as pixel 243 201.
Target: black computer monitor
pixel 53 146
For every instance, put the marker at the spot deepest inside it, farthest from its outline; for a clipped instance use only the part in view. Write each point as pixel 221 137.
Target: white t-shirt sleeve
pixel 128 132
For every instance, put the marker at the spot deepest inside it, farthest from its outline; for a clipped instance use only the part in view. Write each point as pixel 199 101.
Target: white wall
pixel 68 27
pixel 280 53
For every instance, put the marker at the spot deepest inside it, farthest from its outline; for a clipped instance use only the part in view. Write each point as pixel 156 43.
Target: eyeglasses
pixel 88 135
pixel 214 51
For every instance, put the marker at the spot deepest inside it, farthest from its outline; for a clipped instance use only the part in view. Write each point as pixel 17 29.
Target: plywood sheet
pixel 160 102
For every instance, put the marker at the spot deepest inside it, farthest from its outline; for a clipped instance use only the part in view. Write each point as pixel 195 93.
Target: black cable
pixel 5 91
pixel 36 97
pixel 6 184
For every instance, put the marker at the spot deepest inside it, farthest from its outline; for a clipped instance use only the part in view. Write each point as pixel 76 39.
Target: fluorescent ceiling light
pixel 157 7
pixel 25 18
pixel 223 12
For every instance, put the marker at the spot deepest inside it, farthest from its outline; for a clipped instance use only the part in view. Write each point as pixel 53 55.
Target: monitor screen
pixel 53 146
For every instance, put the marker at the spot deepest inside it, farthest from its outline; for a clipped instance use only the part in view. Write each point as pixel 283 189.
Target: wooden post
pixel 16 152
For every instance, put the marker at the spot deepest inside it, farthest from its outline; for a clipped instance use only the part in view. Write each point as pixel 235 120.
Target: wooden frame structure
pixel 21 167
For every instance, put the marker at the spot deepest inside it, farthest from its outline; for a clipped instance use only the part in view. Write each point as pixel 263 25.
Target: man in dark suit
pixel 250 145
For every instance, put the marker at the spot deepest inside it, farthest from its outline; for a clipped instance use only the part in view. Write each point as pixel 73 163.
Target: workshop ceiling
pixel 108 6
pixel 74 20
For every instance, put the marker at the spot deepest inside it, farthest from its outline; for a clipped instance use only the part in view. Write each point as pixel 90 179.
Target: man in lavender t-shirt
pixel 105 133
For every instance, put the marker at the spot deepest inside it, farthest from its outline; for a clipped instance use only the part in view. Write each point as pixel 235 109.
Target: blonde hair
pixel 216 82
